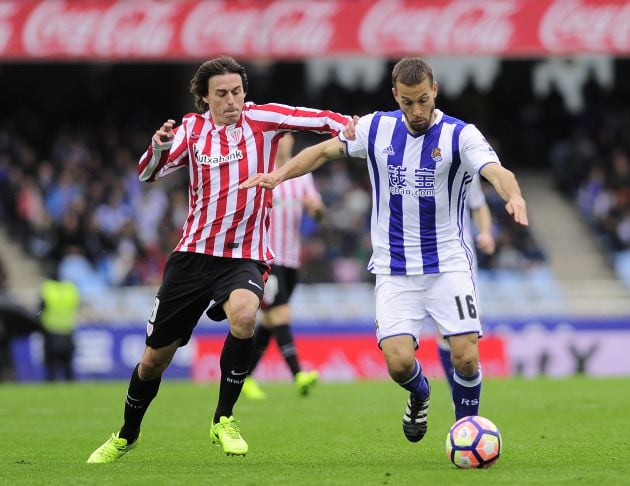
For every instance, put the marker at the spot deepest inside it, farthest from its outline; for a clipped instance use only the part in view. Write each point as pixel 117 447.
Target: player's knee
pixel 399 373
pixel 242 323
pixel 400 365
pixel 466 362
pixel 151 367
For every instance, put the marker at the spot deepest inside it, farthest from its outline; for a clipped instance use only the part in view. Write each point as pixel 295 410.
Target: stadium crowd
pixel 69 192
pixel 591 165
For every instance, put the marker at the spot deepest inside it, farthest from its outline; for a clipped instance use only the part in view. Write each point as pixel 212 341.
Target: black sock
pixel 235 358
pixel 284 338
pixel 261 341
pixel 139 396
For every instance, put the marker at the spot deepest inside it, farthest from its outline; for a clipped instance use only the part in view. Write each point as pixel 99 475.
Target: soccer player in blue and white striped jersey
pixel 421 163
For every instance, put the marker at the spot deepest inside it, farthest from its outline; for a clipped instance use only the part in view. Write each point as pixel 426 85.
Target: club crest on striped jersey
pixel 436 154
pixel 234 134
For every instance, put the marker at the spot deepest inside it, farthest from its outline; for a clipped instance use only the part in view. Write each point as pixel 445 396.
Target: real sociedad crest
pixel 235 134
pixel 436 154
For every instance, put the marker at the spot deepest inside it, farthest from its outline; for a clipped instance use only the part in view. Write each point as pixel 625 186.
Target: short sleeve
pixel 358 146
pixel 474 149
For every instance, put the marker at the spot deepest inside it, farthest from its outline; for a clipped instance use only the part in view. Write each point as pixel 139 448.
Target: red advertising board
pixel 340 357
pixel 283 29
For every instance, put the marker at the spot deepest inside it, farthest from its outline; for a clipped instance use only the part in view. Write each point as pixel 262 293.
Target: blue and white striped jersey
pixel 419 187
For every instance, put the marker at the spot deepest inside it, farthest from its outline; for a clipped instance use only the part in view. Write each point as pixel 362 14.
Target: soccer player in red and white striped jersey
pixel 289 202
pixel 221 262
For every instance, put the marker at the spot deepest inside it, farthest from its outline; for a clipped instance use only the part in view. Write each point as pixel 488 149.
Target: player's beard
pixel 419 128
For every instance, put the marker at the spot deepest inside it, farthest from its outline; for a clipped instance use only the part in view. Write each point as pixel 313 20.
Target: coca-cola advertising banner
pixel 284 29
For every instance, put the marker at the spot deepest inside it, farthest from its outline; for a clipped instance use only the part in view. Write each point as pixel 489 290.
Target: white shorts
pixel 403 302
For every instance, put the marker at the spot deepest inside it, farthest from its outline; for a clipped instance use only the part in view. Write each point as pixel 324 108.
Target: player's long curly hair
pixel 214 67
pixel 411 71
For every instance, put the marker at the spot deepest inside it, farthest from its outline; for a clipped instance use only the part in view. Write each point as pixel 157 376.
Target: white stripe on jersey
pixel 224 220
pixel 288 207
pixel 419 186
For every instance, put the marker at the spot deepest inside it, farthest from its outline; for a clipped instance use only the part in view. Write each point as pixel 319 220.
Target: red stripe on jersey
pixel 222 200
pixel 285 221
pixel 297 112
pixel 202 207
pixel 178 151
pixel 266 222
pixel 259 208
pixel 289 113
pixel 241 196
pixel 145 159
pixel 193 198
pixel 322 128
pixel 165 156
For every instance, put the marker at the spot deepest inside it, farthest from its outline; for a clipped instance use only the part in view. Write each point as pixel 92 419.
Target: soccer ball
pixel 473 442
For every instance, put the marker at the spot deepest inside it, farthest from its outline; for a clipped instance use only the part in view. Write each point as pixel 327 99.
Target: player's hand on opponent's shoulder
pixel 349 131
pixel 266 181
pixel 517 208
pixel 164 134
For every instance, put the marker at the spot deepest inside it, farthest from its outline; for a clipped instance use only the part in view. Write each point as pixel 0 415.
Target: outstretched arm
pixel 306 161
pixel 506 185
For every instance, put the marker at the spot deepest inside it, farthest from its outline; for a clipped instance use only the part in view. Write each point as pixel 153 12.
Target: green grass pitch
pixel 565 431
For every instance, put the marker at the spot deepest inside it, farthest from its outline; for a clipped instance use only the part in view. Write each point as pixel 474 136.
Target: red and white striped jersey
pixel 288 207
pixel 224 220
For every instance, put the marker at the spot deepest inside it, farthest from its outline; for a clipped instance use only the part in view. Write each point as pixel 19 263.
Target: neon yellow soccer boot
pixel 226 433
pixel 114 448
pixel 305 380
pixel 251 389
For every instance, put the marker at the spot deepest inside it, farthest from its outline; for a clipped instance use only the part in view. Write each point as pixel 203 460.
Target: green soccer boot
pixel 251 389
pixel 226 433
pixel 305 380
pixel 113 449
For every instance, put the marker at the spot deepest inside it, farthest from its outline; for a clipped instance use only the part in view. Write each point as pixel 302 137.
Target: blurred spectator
pixel 6 358
pixel 60 303
pixel 516 249
pixel 74 266
pixel 70 193
pixel 15 321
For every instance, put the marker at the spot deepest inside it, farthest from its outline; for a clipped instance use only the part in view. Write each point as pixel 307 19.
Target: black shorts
pixel 279 287
pixel 195 283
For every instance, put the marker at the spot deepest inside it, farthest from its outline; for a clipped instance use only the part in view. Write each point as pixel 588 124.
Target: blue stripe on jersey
pixel 398 262
pixel 372 160
pixel 428 231
pixel 457 160
pixel 461 208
